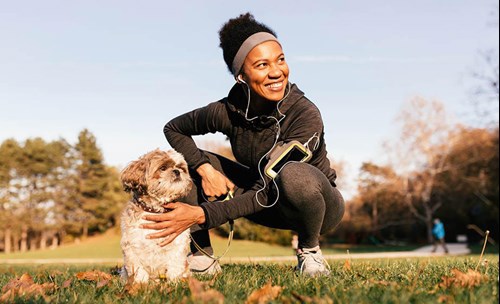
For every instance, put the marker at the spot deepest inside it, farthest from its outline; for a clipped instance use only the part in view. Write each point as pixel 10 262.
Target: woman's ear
pixel 239 79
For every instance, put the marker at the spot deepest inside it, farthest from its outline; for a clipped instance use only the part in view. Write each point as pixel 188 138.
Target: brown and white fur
pixel 156 178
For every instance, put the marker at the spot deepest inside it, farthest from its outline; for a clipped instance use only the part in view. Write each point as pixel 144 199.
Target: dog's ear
pixel 133 177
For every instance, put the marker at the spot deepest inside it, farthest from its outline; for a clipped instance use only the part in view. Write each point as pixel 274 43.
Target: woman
pixel 261 112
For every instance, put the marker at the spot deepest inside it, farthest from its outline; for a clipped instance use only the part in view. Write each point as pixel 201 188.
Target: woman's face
pixel 266 71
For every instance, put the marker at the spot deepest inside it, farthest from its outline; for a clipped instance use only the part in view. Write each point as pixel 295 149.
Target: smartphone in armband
pixel 282 154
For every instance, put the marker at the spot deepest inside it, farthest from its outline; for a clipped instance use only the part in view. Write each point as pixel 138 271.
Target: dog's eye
pixel 163 168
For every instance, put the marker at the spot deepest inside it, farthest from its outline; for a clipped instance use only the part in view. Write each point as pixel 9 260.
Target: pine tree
pixel 9 151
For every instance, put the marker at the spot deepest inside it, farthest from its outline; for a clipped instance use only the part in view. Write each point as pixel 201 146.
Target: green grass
pixel 366 281
pixel 107 246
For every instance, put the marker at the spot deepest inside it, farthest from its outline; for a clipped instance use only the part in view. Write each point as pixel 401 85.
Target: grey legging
pixel 307 204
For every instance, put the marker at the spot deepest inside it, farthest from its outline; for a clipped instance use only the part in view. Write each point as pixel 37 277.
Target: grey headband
pixel 247 46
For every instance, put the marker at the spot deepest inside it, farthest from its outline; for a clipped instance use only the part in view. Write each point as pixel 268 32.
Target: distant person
pixel 262 111
pixel 438 234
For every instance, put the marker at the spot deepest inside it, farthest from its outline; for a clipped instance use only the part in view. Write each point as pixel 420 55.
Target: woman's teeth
pixel 275 85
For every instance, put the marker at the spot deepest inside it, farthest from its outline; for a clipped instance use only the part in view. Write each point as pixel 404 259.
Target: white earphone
pixel 240 79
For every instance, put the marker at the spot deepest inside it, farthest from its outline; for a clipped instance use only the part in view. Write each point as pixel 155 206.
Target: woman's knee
pixel 301 183
pixel 300 178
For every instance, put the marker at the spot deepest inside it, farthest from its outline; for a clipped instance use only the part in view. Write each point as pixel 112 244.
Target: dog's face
pixel 160 175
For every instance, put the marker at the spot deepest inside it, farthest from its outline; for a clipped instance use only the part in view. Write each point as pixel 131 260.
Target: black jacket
pixel 249 142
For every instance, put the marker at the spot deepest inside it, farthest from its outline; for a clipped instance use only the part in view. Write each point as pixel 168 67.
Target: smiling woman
pixel 262 113
pixel 266 73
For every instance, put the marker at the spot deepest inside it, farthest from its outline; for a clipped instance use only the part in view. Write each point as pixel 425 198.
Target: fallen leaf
pixel 347 265
pixel 55 273
pixel 460 279
pixel 67 283
pixel 202 293
pixel 264 294
pixel 94 275
pixel 102 283
pixel 134 288
pixel 25 287
pixel 7 297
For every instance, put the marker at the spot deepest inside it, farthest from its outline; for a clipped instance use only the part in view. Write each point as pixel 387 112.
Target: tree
pixel 380 199
pixel 38 167
pixel 485 88
pixel 9 152
pixel 49 188
pixel 91 181
pixel 419 154
pixel 96 197
pixel 484 93
pixel 472 192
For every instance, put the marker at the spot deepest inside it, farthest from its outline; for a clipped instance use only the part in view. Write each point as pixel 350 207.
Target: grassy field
pixel 418 280
pixel 107 246
pixel 444 279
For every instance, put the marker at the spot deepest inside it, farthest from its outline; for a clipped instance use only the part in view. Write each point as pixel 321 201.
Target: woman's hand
pixel 213 182
pixel 172 223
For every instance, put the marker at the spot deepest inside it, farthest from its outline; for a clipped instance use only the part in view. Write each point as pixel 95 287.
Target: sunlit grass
pixel 107 246
pixel 416 280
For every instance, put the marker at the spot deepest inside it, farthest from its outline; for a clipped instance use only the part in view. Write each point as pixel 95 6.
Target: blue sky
pixel 122 69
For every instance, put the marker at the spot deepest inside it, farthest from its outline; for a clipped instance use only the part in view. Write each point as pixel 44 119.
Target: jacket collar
pixel 236 102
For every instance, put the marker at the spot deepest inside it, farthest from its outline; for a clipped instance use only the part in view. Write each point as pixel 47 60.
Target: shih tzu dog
pixel 156 178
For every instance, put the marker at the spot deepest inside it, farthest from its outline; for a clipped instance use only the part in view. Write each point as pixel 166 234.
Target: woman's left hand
pixel 172 223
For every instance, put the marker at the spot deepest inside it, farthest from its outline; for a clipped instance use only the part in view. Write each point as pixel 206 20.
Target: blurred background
pixel 408 92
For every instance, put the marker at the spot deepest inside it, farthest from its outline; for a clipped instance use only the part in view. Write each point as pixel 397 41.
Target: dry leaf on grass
pixel 460 279
pixel 134 288
pixel 264 294
pixel 67 283
pixel 94 275
pixel 102 283
pixel 56 273
pixel 25 287
pixel 347 265
pixel 201 292
pixel 382 282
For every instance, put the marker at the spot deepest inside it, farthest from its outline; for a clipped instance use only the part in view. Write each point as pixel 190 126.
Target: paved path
pixel 426 251
pixel 454 248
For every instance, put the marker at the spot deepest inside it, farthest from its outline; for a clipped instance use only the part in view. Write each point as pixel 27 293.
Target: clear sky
pixel 124 68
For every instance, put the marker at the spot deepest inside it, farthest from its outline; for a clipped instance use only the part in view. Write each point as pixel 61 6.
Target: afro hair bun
pixel 235 31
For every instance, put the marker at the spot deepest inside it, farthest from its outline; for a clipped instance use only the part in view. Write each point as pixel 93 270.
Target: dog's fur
pixel 156 178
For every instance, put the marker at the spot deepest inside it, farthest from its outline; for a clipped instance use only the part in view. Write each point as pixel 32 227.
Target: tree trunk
pixel 33 242
pixel 24 238
pixel 15 242
pixel 85 230
pixel 428 223
pixel 43 240
pixel 7 241
pixel 54 242
pixel 375 223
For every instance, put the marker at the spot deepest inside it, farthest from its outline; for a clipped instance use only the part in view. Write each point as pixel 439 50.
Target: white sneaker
pixel 203 265
pixel 312 262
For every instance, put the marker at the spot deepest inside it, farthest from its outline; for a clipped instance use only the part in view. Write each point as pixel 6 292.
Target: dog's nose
pixel 177 173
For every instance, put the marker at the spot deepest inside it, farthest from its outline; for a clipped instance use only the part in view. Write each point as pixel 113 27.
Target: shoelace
pixel 310 254
pixel 206 268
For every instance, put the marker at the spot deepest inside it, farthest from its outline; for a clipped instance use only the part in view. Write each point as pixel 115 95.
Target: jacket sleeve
pixel 179 131
pixel 218 213
pixel 307 127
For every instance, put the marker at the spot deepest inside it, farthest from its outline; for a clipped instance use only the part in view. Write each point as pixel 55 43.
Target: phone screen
pixel 295 154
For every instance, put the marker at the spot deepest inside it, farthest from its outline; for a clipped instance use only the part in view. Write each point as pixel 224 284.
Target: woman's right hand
pixel 213 182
